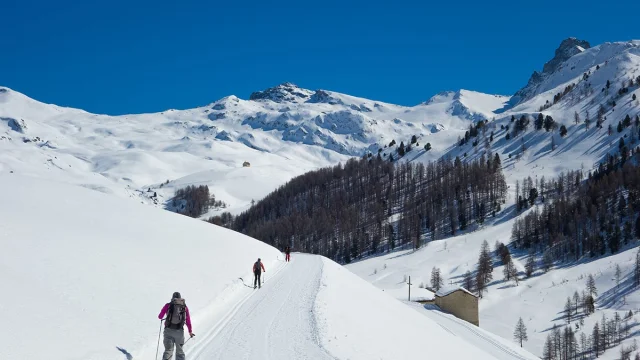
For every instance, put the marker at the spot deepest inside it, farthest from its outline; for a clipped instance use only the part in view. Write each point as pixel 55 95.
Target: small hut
pixel 460 302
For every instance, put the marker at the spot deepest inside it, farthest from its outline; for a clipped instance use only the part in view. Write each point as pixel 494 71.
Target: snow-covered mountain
pixel 573 82
pixel 574 87
pixel 286 130
pixel 282 132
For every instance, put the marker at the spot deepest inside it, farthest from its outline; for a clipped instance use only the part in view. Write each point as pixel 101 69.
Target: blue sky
pixel 120 57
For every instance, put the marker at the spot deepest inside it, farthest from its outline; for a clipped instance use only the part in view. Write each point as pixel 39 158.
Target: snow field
pixel 84 272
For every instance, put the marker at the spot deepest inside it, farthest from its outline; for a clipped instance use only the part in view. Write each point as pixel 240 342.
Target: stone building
pixel 459 302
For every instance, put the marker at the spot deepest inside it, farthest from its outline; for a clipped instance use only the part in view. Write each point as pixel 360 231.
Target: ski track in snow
pixel 470 333
pixel 275 322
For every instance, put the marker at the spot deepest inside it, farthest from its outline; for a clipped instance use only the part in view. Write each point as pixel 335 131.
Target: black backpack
pixel 177 314
pixel 256 267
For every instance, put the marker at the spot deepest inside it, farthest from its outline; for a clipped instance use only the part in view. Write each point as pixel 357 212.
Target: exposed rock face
pixel 16 125
pixel 216 116
pixel 286 92
pixel 568 48
pixel 322 96
pixel 223 135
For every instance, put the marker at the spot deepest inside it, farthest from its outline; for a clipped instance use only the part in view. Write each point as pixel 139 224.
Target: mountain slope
pixel 84 272
pixel 284 131
pixel 85 282
pixel 539 300
pixel 577 86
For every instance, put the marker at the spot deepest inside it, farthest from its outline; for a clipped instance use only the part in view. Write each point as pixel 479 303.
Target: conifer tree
pixel 539 122
pixel 636 270
pixel 595 339
pixel 510 272
pixel 530 265
pixel 548 352
pixel 436 279
pixel 485 266
pixel 618 275
pixel 547 261
pixel 568 310
pixel 563 131
pixel 520 332
pixel 591 286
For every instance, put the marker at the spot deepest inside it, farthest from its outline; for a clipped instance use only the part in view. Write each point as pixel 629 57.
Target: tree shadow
pixel 609 298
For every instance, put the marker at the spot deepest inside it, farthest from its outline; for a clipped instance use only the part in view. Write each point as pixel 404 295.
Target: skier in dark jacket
pixel 258 268
pixel 177 316
pixel 287 253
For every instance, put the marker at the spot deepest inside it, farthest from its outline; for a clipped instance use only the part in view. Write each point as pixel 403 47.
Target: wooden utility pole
pixel 409 288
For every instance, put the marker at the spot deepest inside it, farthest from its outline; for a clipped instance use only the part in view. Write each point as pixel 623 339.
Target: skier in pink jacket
pixel 177 316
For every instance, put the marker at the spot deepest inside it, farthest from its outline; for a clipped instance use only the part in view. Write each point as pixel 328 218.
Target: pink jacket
pixel 187 321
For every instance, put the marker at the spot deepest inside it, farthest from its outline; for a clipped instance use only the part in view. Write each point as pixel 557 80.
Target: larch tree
pixel 485 267
pixel 547 261
pixel 618 275
pixel 591 286
pixel 436 279
pixel 595 339
pixel 548 352
pixel 568 310
pixel 520 332
pixel 510 272
pixel 530 266
pixel 636 270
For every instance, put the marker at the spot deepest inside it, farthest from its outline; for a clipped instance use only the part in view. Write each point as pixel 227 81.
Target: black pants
pixel 256 280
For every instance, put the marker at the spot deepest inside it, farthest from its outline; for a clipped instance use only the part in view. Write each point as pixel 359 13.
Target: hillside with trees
pixel 368 206
pixel 579 218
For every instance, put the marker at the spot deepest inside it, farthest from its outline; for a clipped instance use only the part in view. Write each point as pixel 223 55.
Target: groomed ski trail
pixel 471 333
pixel 275 322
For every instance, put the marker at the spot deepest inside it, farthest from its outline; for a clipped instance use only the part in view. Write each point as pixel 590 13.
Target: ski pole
pixel 159 332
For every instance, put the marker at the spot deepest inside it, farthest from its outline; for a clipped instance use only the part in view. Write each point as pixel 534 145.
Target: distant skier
pixel 258 268
pixel 287 253
pixel 177 316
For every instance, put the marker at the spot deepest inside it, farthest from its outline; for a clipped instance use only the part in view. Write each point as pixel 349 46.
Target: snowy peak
pixel 326 97
pixel 568 48
pixel 469 105
pixel 443 96
pixel 619 59
pixel 285 92
pixel 572 59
